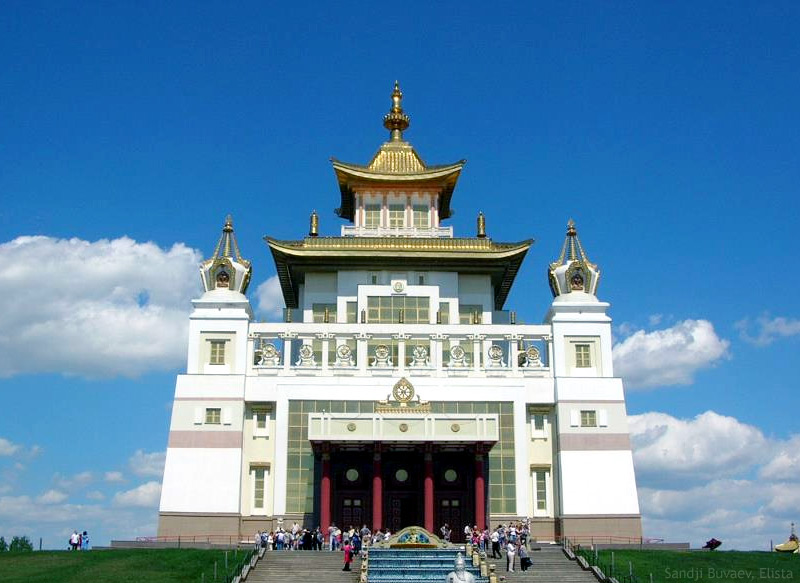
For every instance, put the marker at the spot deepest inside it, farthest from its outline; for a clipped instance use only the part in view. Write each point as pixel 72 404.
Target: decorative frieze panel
pixel 408 427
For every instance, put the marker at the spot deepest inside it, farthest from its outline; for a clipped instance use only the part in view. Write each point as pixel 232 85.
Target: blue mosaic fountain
pixel 415 556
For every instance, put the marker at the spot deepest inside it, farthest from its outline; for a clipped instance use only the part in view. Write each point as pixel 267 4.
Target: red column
pixel 377 492
pixel 325 493
pixel 480 491
pixel 429 492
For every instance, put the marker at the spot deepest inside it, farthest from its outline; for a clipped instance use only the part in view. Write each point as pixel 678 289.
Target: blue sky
pixel 668 131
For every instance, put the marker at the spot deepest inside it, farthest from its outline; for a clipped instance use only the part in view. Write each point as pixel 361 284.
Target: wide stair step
pixel 322 566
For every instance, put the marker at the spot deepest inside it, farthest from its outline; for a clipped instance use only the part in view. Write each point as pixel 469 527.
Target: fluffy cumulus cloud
pixel 785 463
pixel 671 356
pixel 765 330
pixel 710 445
pixel 269 298
pixel 52 497
pixel 713 475
pixel 148 464
pixel 146 495
pixel 94 309
pixel 7 448
pixel 113 477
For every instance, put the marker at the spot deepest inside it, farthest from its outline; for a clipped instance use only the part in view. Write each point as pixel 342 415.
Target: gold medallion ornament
pixel 404 427
pixel 455 428
pixel 351 427
pixel 403 391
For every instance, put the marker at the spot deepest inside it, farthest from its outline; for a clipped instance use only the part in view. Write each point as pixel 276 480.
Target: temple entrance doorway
pixel 397 474
pixel 403 489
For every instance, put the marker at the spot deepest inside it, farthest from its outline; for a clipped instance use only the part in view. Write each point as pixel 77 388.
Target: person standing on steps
pixel 348 556
pixel 511 552
pixel 495 538
pixel 524 559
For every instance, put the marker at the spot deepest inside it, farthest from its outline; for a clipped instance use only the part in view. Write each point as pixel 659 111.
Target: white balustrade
pixel 397 349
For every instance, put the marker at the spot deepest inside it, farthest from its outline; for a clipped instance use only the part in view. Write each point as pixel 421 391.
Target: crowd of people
pixel 334 539
pixel 79 541
pixel 510 539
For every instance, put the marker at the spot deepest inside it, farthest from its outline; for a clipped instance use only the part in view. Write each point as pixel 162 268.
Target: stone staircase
pixel 311 566
pixel 549 565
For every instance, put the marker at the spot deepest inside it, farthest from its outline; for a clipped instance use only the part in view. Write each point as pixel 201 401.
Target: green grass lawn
pixel 115 566
pixel 703 566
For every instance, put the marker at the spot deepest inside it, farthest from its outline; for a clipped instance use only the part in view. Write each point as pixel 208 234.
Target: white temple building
pixel 399 390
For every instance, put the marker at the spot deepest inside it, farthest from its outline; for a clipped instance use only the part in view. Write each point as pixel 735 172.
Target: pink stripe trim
pixel 205 439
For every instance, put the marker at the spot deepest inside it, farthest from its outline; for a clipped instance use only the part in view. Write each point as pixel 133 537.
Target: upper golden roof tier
pixel 396 163
pixel 293 259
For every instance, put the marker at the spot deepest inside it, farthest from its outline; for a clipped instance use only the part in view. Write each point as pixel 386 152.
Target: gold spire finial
pixel 571 232
pixel 228 228
pixel 313 230
pixel 481 225
pixel 396 121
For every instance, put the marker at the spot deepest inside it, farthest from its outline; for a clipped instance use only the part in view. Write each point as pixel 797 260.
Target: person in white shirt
pixel 511 552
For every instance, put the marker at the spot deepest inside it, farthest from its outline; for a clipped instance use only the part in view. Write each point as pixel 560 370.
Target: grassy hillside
pixel 115 566
pixel 701 566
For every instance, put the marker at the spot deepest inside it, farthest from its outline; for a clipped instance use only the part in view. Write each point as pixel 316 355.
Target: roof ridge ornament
pixel 396 121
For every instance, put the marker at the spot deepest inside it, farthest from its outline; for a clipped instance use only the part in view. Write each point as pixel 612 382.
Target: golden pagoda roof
pixel 501 261
pixel 396 162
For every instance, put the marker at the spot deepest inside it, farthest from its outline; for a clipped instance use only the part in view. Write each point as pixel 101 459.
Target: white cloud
pixel 94 309
pixel 8 448
pixel 785 465
pixel 95 495
pixel 668 357
pixel 711 445
pixel 148 464
pixel 767 329
pixel 52 497
pixel 78 480
pixel 113 477
pixel 147 495
pixel 269 298
pixel 713 475
pixel 655 319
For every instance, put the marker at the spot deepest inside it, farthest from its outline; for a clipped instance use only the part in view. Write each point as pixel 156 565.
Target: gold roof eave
pixel 501 261
pixel 349 175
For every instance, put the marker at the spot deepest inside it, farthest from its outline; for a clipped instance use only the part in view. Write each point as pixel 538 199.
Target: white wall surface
pixel 598 482
pixel 201 480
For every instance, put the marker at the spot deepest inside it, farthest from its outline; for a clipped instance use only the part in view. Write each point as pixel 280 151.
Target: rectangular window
pixel 213 416
pixel 541 490
pixel 386 309
pixel 261 420
pixel 372 216
pixel 217 352
pixel 258 487
pixel 397 215
pixel 444 312
pixel 583 357
pixel 319 313
pixel 588 418
pixel 420 279
pixel 538 421
pixel 421 216
pixel 470 313
pixel 352 312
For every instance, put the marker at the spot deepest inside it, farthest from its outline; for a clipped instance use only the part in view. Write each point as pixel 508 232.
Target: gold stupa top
pixel 572 272
pixel 226 269
pixel 396 163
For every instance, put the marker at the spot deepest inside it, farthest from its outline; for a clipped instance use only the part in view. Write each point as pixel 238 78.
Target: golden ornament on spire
pixel 396 121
